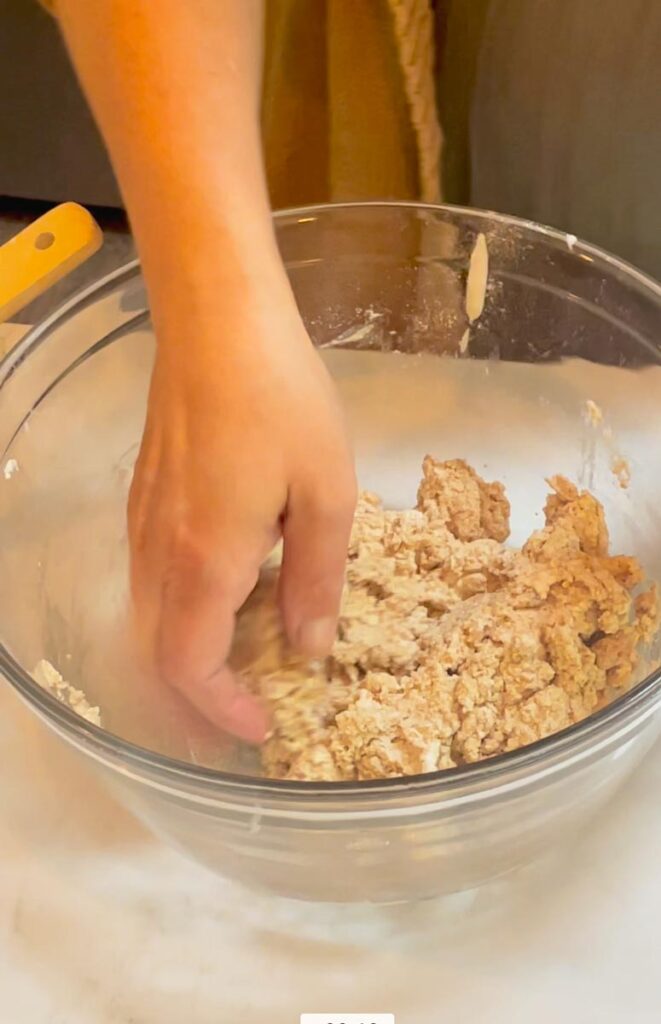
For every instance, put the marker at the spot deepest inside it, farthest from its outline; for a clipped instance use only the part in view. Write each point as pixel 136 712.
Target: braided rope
pixel 414 33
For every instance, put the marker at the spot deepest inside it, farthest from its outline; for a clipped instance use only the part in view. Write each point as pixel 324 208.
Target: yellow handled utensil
pixel 43 253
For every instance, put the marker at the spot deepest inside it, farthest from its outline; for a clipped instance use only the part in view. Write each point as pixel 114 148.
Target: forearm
pixel 175 90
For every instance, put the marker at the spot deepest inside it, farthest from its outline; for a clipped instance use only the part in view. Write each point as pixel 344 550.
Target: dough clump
pixel 50 679
pixel 451 646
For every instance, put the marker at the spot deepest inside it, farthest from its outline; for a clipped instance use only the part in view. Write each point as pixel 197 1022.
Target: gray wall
pixel 49 146
pixel 553 112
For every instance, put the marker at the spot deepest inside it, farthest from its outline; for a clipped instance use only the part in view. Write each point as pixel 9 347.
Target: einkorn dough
pixel 451 646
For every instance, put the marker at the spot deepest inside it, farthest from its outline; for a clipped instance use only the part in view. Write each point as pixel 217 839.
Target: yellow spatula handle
pixel 43 253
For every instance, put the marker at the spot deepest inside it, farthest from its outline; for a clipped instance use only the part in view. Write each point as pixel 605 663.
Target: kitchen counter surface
pixel 102 924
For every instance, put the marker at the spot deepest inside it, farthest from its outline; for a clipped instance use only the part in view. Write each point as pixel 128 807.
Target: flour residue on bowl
pixel 619 465
pixel 10 467
pixel 50 679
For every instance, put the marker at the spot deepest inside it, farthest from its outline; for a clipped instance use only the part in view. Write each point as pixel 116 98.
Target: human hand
pixel 244 442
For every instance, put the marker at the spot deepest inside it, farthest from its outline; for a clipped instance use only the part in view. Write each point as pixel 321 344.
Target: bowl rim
pixel 107 747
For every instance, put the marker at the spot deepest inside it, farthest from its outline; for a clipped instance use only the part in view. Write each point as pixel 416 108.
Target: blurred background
pixel 550 109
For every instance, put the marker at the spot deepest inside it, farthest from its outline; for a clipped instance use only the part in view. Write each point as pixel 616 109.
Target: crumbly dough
pixel 451 646
pixel 50 679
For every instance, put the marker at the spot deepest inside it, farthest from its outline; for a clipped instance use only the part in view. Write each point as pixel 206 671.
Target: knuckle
pixel 198 571
pixel 332 502
pixel 188 548
pixel 187 568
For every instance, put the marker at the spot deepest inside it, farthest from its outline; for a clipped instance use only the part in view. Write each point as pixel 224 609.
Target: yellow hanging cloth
pixel 349 108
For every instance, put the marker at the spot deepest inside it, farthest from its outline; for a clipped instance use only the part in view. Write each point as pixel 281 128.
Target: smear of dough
pixel 593 413
pixel 50 679
pixel 620 467
pixel 621 471
pixel 11 467
pixel 476 282
pixel 451 646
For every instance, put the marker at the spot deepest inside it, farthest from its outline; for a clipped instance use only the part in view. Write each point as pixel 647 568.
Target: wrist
pixel 220 263
pixel 218 303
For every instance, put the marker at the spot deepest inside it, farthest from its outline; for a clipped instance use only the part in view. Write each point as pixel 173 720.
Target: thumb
pixel 316 534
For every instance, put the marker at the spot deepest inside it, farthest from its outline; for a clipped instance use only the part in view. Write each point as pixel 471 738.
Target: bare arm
pixel 175 89
pixel 224 465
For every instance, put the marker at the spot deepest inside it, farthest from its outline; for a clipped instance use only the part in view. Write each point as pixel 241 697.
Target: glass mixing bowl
pixel 382 288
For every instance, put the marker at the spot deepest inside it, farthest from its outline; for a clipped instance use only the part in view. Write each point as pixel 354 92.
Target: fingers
pixel 221 699
pixel 193 639
pixel 316 535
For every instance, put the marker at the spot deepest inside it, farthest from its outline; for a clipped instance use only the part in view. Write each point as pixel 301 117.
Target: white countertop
pixel 102 924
